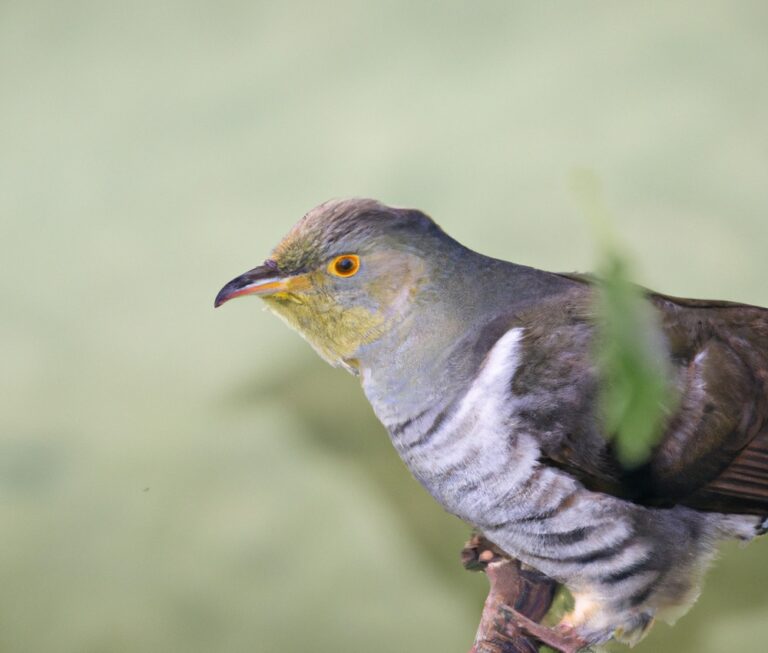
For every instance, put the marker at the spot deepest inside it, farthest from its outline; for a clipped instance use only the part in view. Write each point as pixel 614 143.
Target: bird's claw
pixel 517 598
pixel 478 553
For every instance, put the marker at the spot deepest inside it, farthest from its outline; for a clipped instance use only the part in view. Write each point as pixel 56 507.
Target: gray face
pixel 345 274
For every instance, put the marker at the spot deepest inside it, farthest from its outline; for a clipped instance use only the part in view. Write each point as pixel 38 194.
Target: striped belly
pixel 622 561
pixel 494 481
pixel 472 457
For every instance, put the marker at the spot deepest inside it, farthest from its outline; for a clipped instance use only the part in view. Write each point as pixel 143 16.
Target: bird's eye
pixel 345 266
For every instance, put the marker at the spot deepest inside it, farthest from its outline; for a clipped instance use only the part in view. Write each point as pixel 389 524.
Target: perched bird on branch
pixel 484 374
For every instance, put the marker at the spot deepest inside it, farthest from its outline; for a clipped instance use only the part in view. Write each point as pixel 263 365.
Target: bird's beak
pixel 263 280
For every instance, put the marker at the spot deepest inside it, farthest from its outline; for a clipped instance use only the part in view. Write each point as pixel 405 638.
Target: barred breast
pixel 474 459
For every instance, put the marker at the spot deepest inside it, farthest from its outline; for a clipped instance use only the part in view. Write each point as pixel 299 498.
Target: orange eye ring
pixel 344 266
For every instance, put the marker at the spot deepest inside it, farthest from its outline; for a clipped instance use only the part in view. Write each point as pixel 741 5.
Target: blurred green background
pixel 178 479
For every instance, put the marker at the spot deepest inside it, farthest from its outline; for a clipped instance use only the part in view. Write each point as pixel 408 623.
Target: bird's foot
pixel 478 553
pixel 517 600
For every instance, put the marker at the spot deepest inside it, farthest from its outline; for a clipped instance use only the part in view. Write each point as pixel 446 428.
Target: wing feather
pixel 714 451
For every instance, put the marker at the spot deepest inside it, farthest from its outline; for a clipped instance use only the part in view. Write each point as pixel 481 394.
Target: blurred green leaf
pixel 636 394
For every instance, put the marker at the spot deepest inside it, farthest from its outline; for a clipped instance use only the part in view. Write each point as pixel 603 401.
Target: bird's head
pixel 347 274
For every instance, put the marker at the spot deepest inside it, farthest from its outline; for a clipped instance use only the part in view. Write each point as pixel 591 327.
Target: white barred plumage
pixel 472 457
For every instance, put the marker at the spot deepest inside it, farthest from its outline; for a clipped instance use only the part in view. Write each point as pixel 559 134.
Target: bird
pixel 483 373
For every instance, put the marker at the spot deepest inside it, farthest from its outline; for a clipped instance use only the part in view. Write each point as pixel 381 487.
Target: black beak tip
pixel 233 288
pixel 224 295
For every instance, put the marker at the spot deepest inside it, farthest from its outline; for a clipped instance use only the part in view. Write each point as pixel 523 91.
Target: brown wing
pixel 714 452
pixel 714 455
